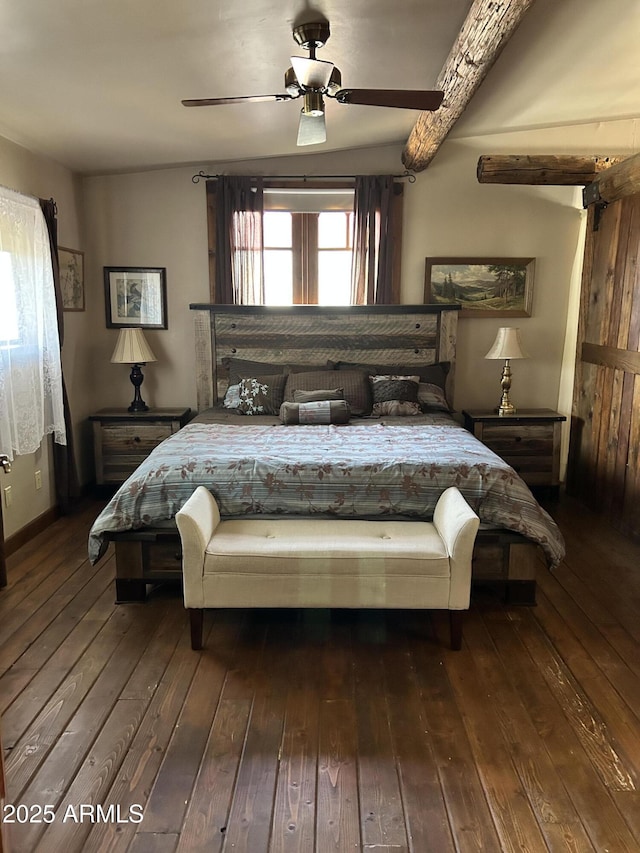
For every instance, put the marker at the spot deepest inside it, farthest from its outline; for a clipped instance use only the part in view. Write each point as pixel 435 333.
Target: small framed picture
pixel 71 262
pixel 136 296
pixel 484 287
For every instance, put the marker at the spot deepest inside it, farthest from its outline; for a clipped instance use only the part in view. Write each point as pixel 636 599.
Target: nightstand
pixel 123 439
pixel 529 441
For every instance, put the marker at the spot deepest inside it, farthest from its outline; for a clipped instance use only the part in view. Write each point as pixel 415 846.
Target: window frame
pixel 305 278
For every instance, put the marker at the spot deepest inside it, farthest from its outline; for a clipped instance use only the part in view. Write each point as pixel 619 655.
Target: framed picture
pixel 71 263
pixel 484 287
pixel 136 296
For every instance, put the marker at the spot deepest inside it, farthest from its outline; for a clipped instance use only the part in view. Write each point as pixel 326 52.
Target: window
pixel 30 371
pixel 9 312
pixel 310 247
pixel 307 257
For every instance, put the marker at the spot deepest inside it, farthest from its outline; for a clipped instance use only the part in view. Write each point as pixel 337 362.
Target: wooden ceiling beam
pixel 487 28
pixel 542 169
pixel 612 184
pixel 605 178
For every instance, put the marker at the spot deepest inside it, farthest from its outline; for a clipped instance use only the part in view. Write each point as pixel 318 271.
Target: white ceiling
pixel 97 85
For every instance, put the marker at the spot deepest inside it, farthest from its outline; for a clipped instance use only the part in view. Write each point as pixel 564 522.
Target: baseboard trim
pixel 26 533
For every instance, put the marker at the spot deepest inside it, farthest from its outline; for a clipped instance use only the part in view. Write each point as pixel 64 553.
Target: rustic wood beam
pixel 542 169
pixel 615 183
pixel 618 359
pixel 487 28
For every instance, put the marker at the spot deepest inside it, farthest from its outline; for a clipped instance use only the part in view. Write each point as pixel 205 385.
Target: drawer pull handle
pixel 518 438
pixel 137 439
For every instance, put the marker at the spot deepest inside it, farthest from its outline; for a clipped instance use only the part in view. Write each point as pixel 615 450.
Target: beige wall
pixel 37 176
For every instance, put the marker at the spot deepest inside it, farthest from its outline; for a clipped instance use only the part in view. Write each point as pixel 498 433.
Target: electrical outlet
pixel 8 496
pixel 38 478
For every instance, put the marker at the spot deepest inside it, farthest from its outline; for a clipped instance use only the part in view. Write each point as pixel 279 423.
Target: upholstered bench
pixel 321 562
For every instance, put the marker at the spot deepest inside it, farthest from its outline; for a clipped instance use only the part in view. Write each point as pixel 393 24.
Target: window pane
pixel 278 277
pixel 334 278
pixel 333 230
pixel 8 312
pixel 277 230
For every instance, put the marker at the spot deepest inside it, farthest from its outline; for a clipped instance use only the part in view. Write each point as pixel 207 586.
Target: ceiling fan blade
pixel 312 73
pixel 405 99
pixel 212 102
pixel 312 130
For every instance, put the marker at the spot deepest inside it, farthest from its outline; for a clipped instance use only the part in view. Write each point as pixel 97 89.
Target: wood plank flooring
pixel 321 731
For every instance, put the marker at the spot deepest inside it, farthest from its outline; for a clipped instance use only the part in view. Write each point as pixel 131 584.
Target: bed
pixel 388 466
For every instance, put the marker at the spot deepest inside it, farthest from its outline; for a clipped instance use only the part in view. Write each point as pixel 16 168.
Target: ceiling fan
pixel 314 80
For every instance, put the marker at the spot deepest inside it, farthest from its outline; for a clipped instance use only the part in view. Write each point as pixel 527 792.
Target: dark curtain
pixel 239 257
pixel 372 265
pixel 64 464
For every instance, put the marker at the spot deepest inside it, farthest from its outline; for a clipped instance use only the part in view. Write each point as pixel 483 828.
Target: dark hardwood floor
pixel 317 731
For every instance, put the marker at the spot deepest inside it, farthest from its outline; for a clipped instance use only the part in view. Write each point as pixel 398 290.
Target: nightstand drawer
pixel 519 439
pixel 132 439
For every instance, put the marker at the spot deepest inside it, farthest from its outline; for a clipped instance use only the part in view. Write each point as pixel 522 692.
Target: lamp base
pixel 137 404
pixel 506 407
pixel 505 410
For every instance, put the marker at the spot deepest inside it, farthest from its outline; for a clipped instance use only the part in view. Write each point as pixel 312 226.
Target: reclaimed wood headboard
pixel 312 334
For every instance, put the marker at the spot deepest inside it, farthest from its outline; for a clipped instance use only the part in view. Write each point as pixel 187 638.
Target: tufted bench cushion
pixel 318 562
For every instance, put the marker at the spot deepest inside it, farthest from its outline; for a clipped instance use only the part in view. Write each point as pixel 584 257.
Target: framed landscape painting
pixel 484 287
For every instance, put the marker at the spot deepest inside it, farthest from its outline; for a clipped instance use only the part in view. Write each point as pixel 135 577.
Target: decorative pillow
pixel 432 398
pixel 355 383
pixel 232 397
pixel 317 412
pixel 261 395
pixel 436 374
pixel 395 395
pixel 241 368
pixel 314 396
pixel 308 368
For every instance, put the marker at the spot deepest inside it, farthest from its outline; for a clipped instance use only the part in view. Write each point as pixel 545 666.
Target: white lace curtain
pixel 30 369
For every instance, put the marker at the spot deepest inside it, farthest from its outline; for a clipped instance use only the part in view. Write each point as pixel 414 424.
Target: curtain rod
pixel 29 196
pixel 409 176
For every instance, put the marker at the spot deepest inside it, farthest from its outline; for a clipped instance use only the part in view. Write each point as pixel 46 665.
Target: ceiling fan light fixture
pixel 313 104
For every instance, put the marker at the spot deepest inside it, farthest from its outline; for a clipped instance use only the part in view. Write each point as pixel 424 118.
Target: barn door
pixel 603 469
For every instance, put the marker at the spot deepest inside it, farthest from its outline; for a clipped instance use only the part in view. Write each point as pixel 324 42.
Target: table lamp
pixel 132 348
pixel 507 346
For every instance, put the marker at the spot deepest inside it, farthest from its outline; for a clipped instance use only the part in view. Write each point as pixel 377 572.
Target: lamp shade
pixel 132 348
pixel 507 344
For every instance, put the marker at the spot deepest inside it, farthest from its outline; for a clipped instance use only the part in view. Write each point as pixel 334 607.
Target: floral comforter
pixel 363 469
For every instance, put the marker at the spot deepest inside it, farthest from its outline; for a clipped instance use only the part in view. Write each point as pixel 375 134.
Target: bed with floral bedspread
pixel 365 469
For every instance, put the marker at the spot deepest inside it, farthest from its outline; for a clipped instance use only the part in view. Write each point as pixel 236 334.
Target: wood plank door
pixel 604 447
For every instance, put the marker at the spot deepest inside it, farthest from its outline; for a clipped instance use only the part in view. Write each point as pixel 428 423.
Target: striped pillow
pixel 316 412
pixel 354 383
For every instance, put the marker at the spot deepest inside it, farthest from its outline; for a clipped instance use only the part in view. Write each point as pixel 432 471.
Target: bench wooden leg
pixel 455 625
pixel 196 616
